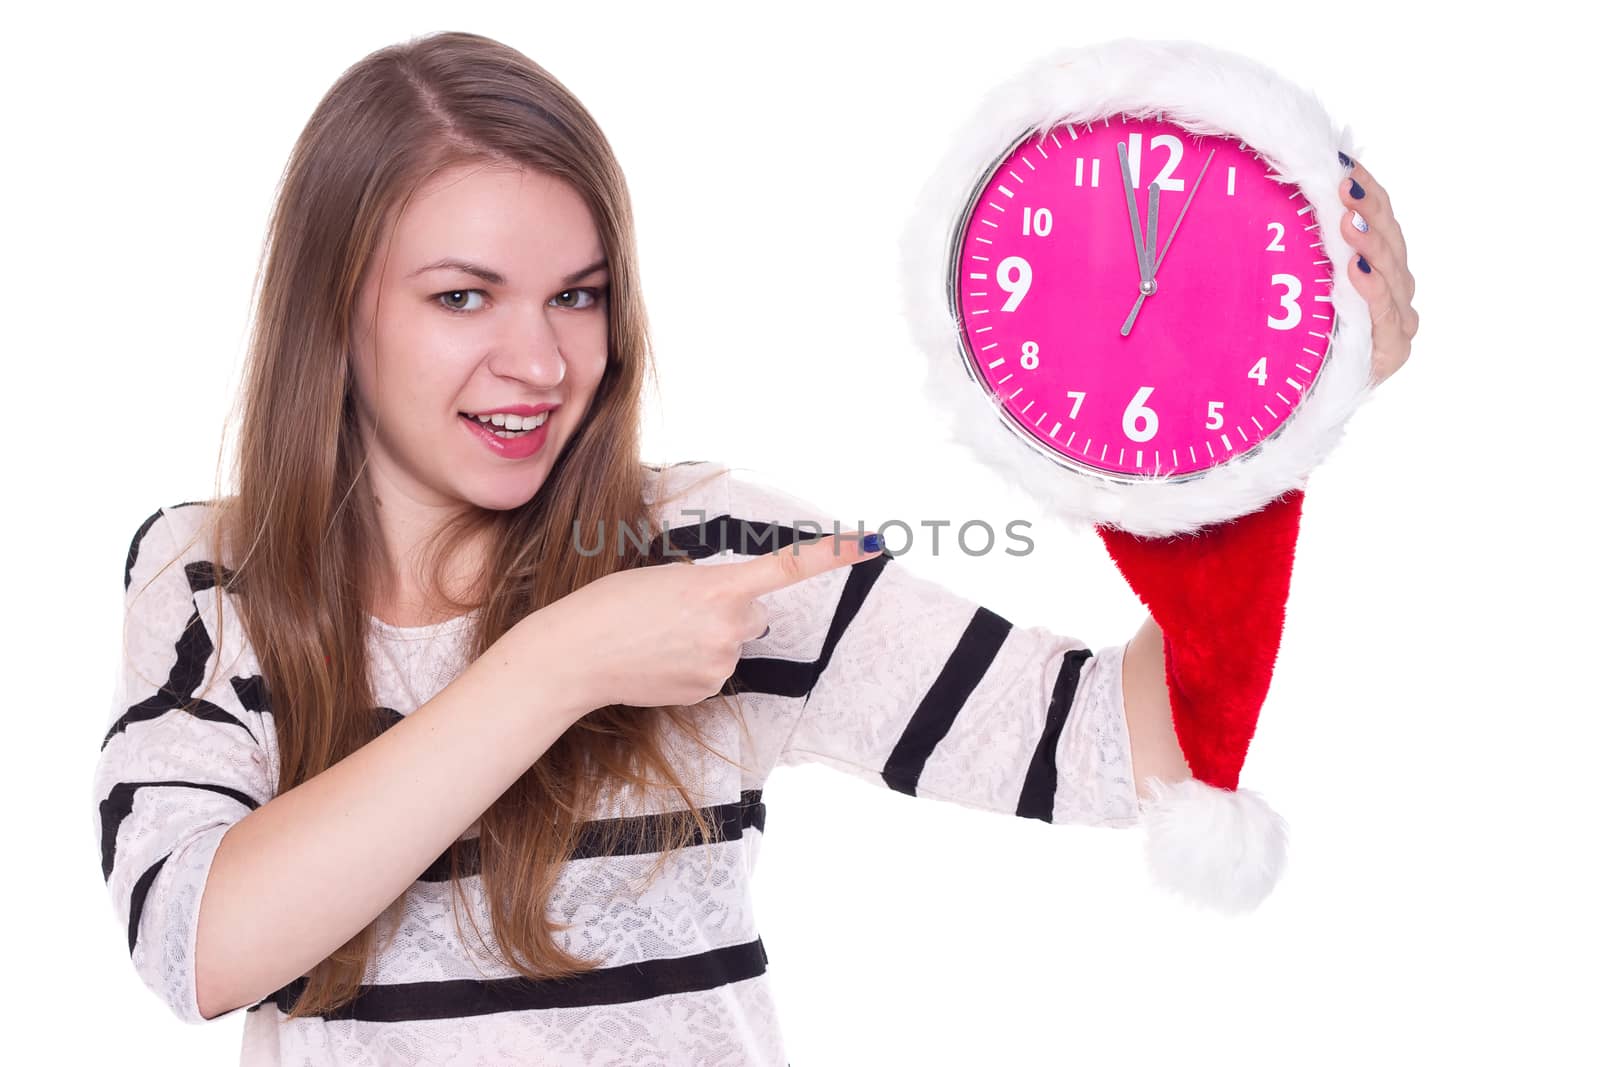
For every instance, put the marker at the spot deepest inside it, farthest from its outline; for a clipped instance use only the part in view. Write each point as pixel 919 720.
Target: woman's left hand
pixel 1388 287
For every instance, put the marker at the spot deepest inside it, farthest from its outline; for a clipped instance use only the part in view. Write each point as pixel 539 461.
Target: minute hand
pixel 1141 254
pixel 1185 211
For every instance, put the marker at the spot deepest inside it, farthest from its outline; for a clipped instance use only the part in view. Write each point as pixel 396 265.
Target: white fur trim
pixel 1220 848
pixel 1206 91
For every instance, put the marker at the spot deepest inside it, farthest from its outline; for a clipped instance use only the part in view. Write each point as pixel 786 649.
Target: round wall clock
pixel 1121 273
pixel 1128 276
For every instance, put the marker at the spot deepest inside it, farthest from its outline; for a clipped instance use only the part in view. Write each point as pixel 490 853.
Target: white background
pixel 1431 729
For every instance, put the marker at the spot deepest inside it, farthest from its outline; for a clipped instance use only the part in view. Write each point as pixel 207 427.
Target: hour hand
pixel 1147 268
pixel 1151 238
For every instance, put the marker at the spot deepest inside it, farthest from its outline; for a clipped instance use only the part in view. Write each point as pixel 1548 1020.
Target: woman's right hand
pixel 672 633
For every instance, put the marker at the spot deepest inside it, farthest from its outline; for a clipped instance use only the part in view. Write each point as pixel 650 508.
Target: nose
pixel 530 351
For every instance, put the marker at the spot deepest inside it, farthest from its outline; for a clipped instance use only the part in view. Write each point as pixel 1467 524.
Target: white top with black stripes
pixel 869 669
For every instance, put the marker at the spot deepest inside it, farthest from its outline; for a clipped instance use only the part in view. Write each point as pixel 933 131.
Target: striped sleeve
pixel 169 782
pixel 904 683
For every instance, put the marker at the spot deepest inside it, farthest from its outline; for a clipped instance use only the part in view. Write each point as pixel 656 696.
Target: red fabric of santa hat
pixel 1218 596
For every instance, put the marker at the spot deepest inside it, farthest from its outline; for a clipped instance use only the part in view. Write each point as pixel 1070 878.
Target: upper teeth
pixel 515 422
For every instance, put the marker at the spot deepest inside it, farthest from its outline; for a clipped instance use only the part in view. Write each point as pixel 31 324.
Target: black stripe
pixel 133 548
pixel 136 903
pixel 464 997
pixel 119 803
pixel 974 652
pixel 640 834
pixel 192 652
pixel 138 539
pixel 724 533
pixel 863 576
pixel 1039 787
pixel 203 574
pixel 791 678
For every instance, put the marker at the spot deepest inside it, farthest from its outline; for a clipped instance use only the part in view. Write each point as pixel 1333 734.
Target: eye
pixel 446 298
pixel 594 293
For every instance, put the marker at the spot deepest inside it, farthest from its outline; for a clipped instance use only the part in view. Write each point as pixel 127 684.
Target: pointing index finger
pixel 798 561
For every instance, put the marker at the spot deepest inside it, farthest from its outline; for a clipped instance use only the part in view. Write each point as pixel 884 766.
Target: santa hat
pixel 1219 598
pixel 1211 557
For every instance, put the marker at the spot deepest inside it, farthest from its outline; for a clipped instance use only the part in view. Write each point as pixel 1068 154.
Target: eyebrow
pixel 495 277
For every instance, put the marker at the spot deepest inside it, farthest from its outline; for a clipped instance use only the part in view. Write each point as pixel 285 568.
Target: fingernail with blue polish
pixel 1344 159
pixel 1356 190
pixel 1361 261
pixel 872 542
pixel 1358 222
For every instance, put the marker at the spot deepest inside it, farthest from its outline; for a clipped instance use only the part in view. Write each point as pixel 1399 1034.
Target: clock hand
pixel 1133 213
pixel 1147 268
pixel 1184 212
pixel 1128 325
pixel 1151 235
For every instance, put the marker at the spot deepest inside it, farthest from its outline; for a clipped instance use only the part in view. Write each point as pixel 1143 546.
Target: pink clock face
pixel 1236 313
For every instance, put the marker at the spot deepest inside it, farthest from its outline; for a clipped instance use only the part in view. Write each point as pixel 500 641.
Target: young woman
pixel 452 652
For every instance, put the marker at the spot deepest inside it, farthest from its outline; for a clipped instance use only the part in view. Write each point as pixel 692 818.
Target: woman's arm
pixel 303 873
pixel 1151 735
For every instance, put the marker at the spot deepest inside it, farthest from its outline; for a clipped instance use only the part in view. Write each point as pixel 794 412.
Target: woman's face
pixel 482 299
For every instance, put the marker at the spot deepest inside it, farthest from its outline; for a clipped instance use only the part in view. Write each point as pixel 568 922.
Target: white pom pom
pixel 1220 848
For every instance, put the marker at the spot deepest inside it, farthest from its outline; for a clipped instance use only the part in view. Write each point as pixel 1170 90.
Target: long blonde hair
pixel 301 535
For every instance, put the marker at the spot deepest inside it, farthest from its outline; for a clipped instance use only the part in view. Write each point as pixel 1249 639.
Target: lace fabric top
pixel 869 668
